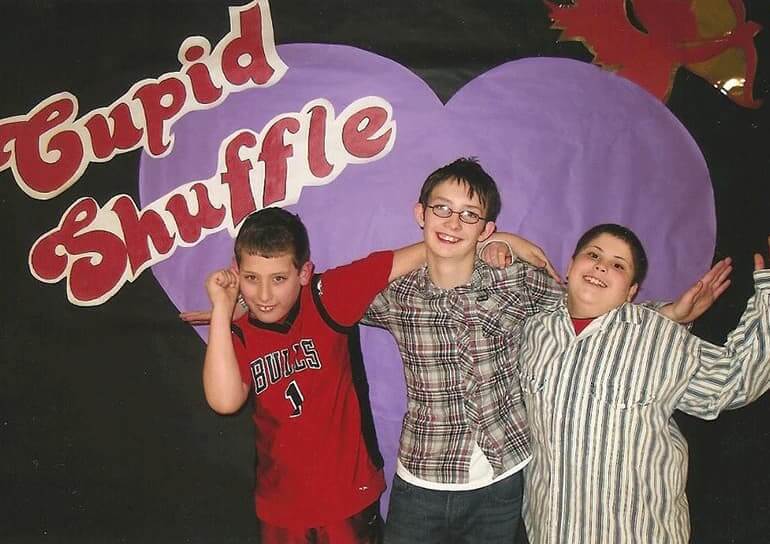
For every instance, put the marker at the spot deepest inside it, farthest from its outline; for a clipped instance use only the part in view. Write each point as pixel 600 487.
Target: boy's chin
pixel 269 317
pixel 445 250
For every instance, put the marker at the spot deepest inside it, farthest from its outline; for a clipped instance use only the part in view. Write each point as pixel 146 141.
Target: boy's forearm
pixel 736 374
pixel 406 260
pixel 222 384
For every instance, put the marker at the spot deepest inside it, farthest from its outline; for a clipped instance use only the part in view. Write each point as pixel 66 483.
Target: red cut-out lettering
pixel 359 129
pixel 156 114
pixel 190 226
pixel 247 46
pixel 106 137
pixel 139 229
pixel 7 135
pixel 98 257
pixel 204 89
pixel 46 175
pixel 236 176
pixel 274 154
pixel 316 142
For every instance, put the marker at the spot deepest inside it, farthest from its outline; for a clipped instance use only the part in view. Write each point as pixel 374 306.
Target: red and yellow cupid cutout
pixel 647 41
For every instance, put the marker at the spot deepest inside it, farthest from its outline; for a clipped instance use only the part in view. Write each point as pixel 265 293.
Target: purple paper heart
pixel 570 146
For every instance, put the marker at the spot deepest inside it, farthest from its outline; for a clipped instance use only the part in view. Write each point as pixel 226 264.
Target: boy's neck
pixel 577 310
pixel 450 273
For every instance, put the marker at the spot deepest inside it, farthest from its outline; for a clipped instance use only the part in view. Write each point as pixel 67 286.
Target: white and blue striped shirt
pixel 609 464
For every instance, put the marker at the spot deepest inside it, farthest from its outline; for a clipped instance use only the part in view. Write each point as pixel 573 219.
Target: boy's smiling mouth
pixel 447 238
pixel 594 281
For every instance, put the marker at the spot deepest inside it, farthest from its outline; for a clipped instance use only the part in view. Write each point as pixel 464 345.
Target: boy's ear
pixel 632 292
pixel 305 273
pixel 419 214
pixel 489 229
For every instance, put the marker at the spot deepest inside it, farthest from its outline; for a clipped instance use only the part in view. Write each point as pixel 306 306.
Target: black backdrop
pixel 104 432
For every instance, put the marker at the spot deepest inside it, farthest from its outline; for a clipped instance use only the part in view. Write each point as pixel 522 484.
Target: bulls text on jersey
pixel 273 367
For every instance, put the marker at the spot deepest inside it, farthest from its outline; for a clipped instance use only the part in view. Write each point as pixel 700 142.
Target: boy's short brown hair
pixel 466 170
pixel 270 232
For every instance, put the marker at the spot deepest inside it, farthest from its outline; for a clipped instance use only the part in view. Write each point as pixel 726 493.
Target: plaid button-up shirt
pixel 460 351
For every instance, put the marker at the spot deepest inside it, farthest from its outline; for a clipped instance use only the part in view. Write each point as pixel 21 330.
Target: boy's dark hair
pixel 622 233
pixel 468 171
pixel 270 232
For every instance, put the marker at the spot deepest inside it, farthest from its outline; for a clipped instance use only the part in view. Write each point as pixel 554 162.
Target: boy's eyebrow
pixel 275 273
pixel 446 201
pixel 616 256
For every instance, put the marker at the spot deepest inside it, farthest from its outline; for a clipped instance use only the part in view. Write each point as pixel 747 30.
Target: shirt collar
pixel 481 278
pixel 625 313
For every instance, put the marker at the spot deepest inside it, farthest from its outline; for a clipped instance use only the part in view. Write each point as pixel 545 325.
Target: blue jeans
pixel 489 515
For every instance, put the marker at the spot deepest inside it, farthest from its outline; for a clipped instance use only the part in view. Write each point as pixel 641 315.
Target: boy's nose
pixel 454 221
pixel 263 293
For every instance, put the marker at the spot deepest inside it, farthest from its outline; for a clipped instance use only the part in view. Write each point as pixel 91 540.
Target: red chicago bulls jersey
pixel 315 462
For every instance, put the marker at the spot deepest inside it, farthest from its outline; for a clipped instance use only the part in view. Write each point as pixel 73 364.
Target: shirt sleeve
pixel 377 313
pixel 542 290
pixel 654 305
pixel 658 305
pixel 346 291
pixel 736 374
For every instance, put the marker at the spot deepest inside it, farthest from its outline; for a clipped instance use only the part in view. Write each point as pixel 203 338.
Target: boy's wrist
pixel 224 306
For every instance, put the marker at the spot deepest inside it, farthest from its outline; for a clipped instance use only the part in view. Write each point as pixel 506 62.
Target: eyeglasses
pixel 466 216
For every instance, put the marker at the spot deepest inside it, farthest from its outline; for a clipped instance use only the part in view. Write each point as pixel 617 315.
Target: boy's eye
pixel 593 254
pixel 279 279
pixel 620 266
pixel 469 216
pixel 250 277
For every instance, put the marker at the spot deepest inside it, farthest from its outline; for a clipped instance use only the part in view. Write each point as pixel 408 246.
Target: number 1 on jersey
pixel 294 396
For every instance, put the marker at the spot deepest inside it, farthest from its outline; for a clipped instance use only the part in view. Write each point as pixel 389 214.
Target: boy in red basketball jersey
pixel 317 480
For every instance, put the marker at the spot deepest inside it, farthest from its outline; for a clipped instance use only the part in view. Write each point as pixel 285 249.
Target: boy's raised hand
pixel 203 317
pixel 759 261
pixel 501 246
pixel 497 254
pixel 697 299
pixel 222 288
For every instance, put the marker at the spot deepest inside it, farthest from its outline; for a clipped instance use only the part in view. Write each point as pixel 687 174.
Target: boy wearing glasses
pixel 457 322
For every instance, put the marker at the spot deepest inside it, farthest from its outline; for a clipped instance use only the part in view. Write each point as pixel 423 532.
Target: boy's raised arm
pixel 407 259
pixel 733 375
pixel 501 254
pixel 701 296
pixel 222 384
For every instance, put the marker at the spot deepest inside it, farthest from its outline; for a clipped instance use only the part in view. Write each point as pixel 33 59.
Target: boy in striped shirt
pixel 601 379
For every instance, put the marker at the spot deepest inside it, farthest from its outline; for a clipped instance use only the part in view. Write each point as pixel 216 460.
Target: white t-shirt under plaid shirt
pixel 608 461
pixel 460 350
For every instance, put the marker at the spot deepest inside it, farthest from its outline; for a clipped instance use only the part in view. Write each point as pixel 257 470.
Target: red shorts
pixel 362 528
